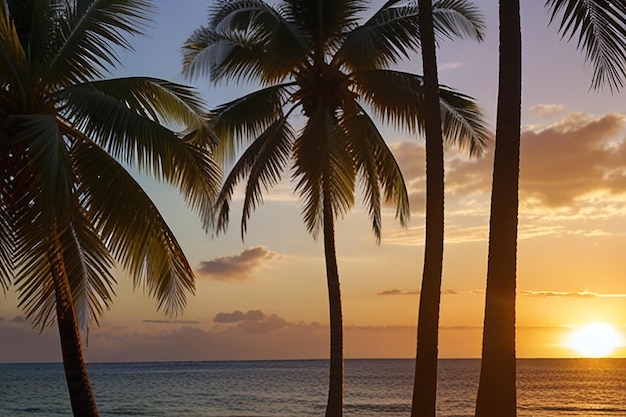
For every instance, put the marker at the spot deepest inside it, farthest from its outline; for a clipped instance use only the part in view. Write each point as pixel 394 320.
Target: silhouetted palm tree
pixel 312 57
pixel 601 28
pixel 68 207
pixel 425 381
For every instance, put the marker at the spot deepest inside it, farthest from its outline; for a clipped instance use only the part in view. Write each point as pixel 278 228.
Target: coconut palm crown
pixel 321 73
pixel 69 208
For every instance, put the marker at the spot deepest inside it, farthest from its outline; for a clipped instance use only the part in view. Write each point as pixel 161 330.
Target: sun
pixel 595 340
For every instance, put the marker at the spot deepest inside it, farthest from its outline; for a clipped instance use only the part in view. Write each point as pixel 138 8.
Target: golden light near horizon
pixel 595 340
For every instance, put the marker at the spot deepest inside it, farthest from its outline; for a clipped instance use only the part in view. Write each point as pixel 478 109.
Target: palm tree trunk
pixel 496 391
pixel 79 387
pixel 425 384
pixel 334 407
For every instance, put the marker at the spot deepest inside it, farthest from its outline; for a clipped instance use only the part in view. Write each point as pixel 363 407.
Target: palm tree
pixel 425 380
pixel 69 209
pixel 601 27
pixel 313 58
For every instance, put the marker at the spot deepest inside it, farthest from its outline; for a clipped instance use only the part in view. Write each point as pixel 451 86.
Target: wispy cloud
pixel 175 322
pixel 399 292
pixel 449 66
pixel 416 292
pixel 578 294
pixel 546 110
pixel 237 268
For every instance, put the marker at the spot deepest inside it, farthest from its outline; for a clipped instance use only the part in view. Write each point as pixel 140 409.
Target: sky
pixel 265 297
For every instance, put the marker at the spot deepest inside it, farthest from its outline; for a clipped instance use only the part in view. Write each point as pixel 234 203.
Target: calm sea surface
pixel 546 388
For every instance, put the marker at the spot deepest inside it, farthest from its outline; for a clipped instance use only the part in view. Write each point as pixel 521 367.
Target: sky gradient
pixel 265 297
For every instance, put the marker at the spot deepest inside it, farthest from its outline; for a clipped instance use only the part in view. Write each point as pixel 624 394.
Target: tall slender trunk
pixel 79 387
pixel 334 408
pixel 425 384
pixel 496 391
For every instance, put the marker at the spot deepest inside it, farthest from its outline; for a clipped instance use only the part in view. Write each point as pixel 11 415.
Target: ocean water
pixel 546 388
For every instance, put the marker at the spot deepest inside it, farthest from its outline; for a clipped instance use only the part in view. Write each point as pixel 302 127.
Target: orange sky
pixel 266 297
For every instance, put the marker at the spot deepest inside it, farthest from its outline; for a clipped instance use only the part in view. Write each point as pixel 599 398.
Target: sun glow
pixel 595 340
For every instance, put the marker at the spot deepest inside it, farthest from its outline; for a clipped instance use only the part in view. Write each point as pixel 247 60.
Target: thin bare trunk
pixel 79 387
pixel 496 392
pixel 425 384
pixel 334 408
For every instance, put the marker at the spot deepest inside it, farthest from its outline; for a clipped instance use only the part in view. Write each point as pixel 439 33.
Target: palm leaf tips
pixel 601 29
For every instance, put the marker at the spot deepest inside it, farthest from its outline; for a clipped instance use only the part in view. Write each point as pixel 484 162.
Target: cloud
pixel 269 324
pixel 237 268
pixel 579 294
pixel 416 292
pixel 574 169
pixel 399 292
pixel 546 110
pixel 171 321
pixel 572 159
pixel 238 316
pixel 254 321
pixel 19 321
pixel 449 66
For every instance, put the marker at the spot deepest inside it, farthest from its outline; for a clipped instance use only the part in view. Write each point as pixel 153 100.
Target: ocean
pixel 546 388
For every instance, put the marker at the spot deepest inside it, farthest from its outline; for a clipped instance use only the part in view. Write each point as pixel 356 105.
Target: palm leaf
pixel 87 263
pixel 274 150
pixel 90 35
pixel 7 244
pixel 393 31
pixel 245 40
pixel 132 228
pixel 248 116
pixel 125 117
pixel 377 169
pixel 12 56
pixel 322 159
pixel 324 22
pixel 458 19
pixel 463 121
pixel 601 28
pixel 48 160
pixel 398 98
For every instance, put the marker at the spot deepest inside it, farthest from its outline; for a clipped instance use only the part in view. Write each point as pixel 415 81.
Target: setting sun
pixel 595 340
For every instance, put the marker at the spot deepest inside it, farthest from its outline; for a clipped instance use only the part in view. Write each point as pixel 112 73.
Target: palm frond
pixel 377 169
pixel 393 31
pixel 12 55
pixel 33 25
pixel 601 29
pixel 132 228
pixel 245 40
pixel 463 121
pixel 7 243
pixel 262 162
pixel 87 263
pixel 123 124
pixel 270 161
pixel 384 39
pixel 458 19
pixel 324 23
pixel 48 160
pixel 33 275
pixel 176 106
pixel 398 98
pixel 248 116
pixel 322 159
pixel 89 37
